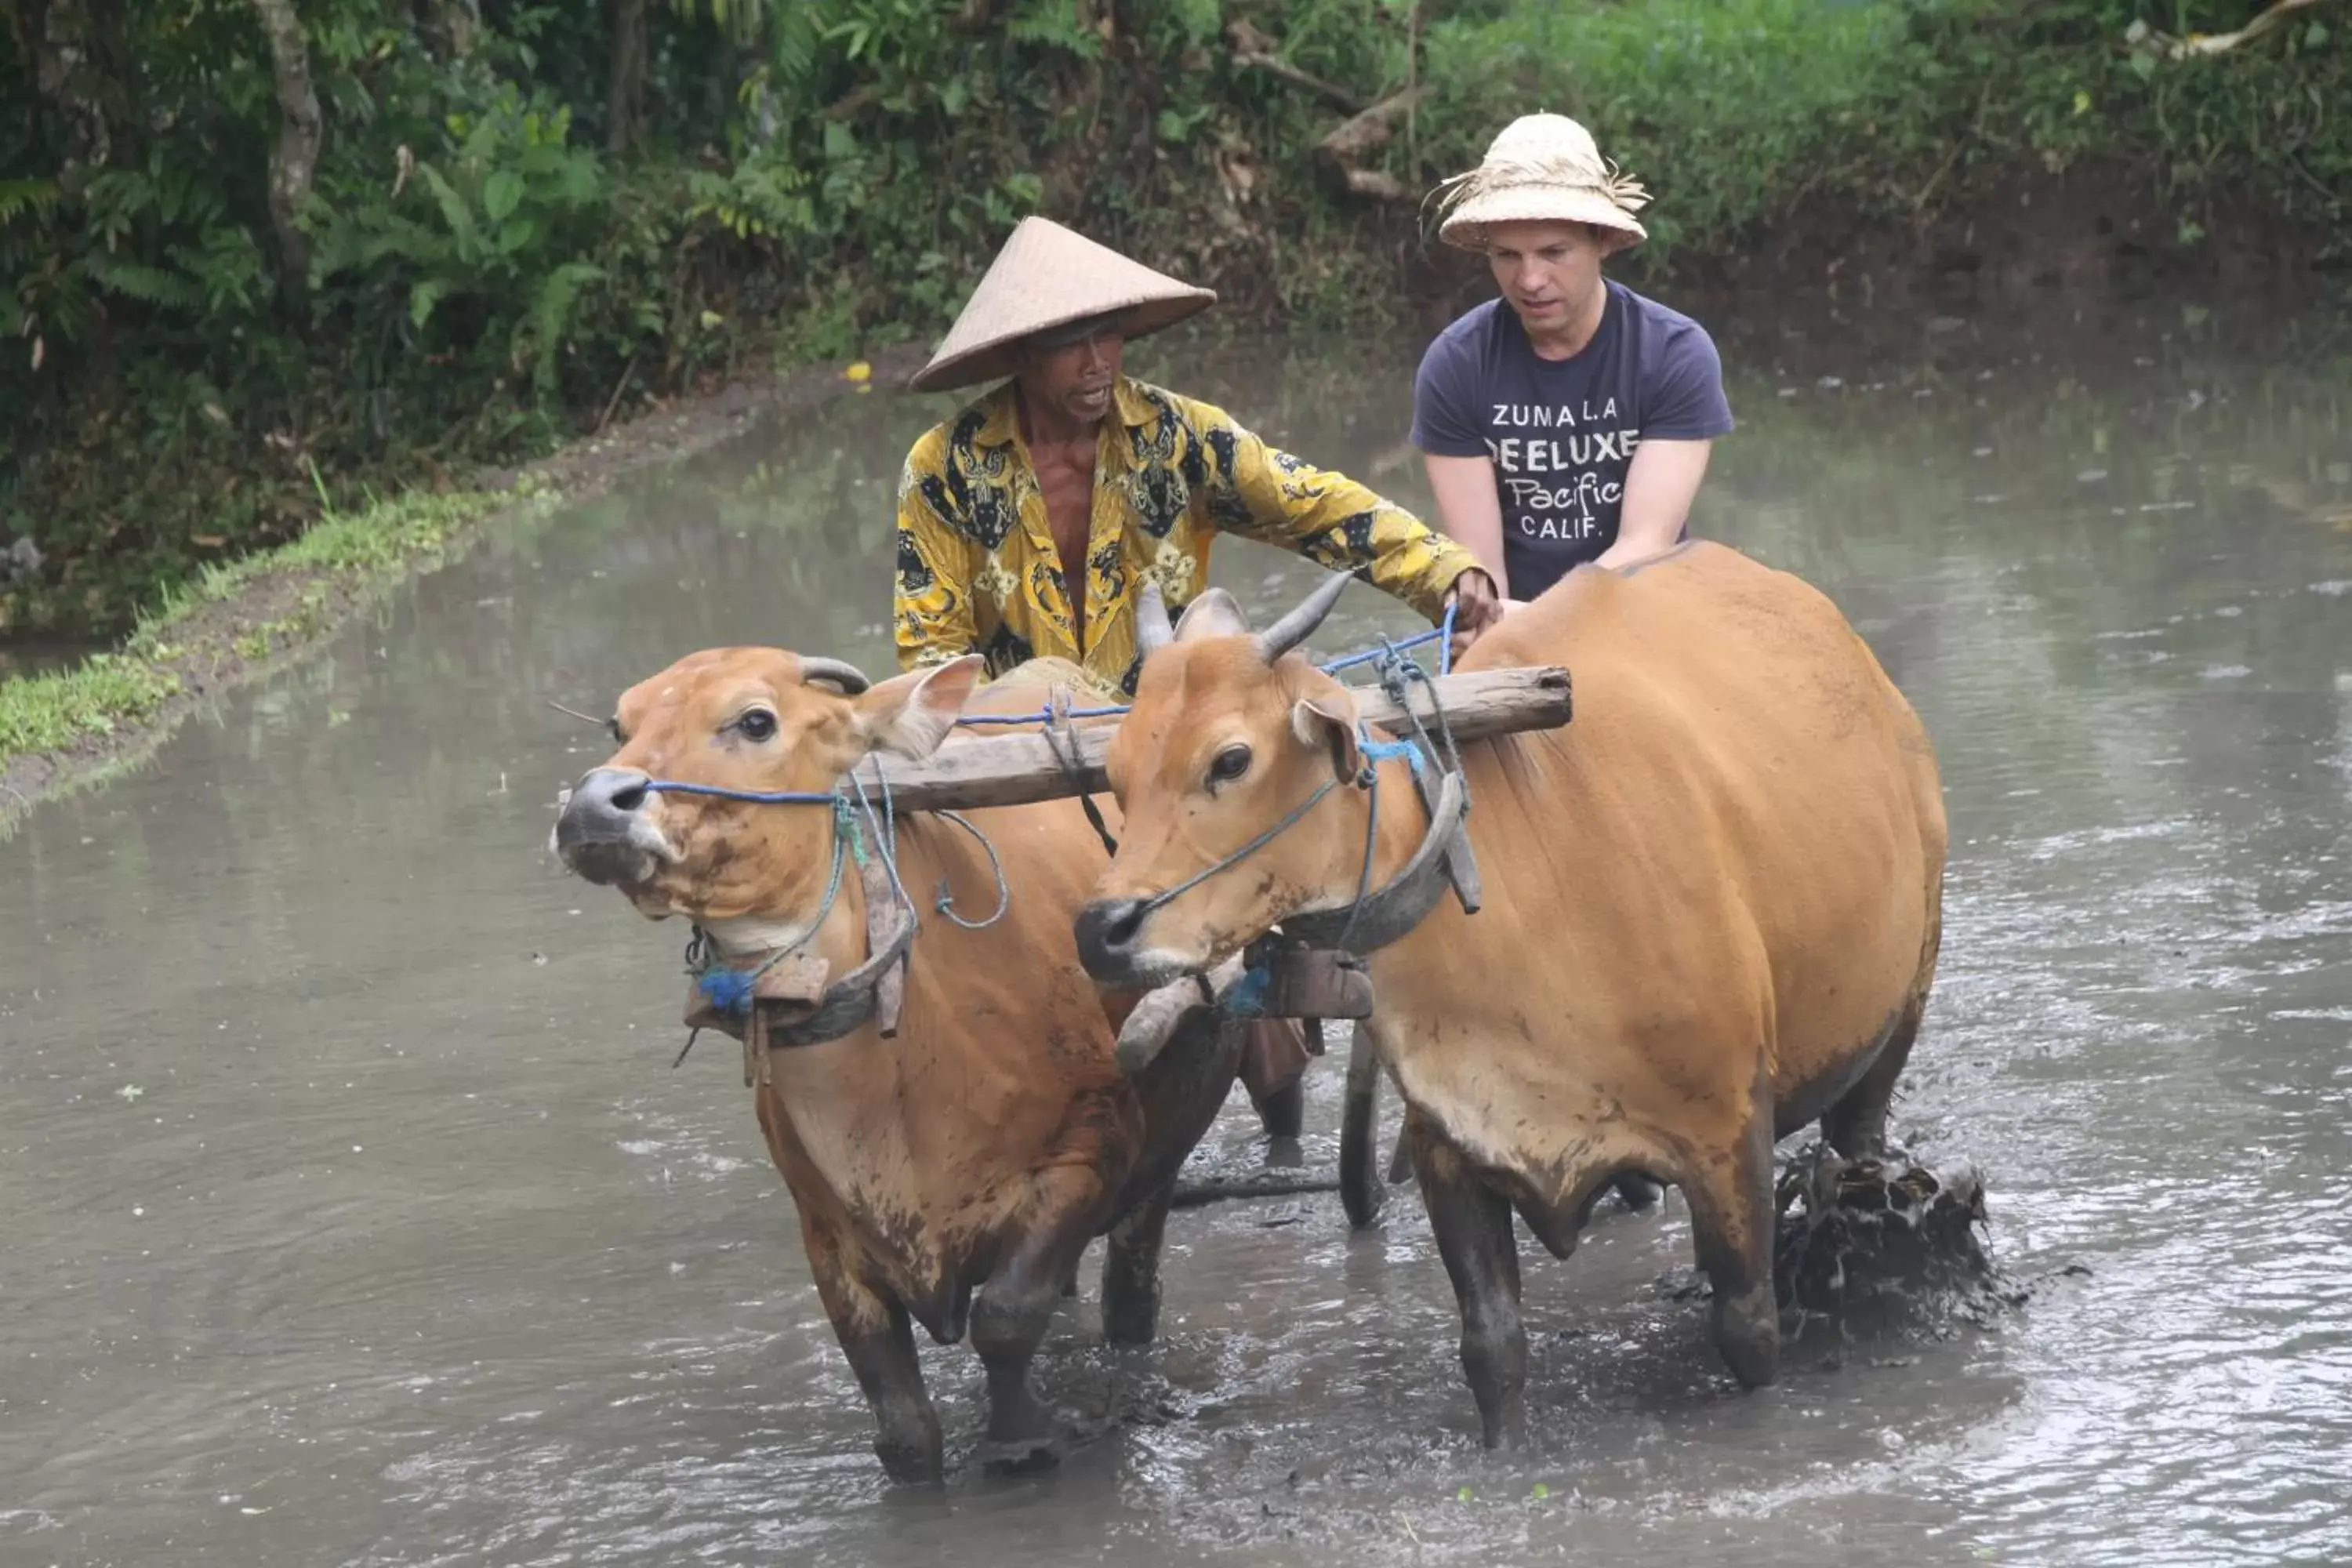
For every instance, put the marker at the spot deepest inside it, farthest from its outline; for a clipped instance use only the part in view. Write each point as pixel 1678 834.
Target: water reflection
pixel 356 1216
pixel 36 656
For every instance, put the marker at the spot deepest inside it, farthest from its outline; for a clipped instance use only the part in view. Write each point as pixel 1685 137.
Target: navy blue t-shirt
pixel 1562 432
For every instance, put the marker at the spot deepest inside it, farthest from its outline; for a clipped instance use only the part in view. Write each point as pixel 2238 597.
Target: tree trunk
pixel 1355 139
pixel 296 158
pixel 460 20
pixel 55 35
pixel 625 96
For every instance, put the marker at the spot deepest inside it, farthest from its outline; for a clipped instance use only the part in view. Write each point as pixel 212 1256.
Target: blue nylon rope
pixel 757 797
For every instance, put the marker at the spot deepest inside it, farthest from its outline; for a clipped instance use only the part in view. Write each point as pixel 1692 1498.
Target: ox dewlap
pixel 1562 432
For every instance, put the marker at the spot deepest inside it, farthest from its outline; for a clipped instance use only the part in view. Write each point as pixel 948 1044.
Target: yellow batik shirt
pixel 978 571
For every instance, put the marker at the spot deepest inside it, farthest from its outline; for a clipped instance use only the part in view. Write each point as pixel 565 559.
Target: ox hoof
pixel 1282 1112
pixel 1020 1455
pixel 1505 1433
pixel 910 1464
pixel 1639 1192
pixel 1284 1153
pixel 1131 1320
pixel 1747 1335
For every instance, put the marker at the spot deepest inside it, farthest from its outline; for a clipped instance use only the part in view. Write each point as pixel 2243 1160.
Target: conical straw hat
pixel 1542 168
pixel 1047 277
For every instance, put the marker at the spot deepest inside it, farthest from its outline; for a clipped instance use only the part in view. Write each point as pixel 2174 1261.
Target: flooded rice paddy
pixel 355 1214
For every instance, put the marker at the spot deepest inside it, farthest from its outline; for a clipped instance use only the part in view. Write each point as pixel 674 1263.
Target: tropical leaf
pixel 148 285
pixel 423 296
pixel 19 197
pixel 455 211
pixel 551 317
pixel 501 193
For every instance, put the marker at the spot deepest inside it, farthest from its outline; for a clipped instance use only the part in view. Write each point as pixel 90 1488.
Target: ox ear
pixel 1327 719
pixel 910 714
pixel 1215 613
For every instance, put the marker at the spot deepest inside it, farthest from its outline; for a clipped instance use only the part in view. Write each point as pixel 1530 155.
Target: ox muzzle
pixel 603 834
pixel 1109 934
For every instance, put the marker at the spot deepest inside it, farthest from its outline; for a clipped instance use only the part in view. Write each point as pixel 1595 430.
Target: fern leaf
pixel 18 197
pixel 455 211
pixel 550 316
pixel 1054 23
pixel 148 285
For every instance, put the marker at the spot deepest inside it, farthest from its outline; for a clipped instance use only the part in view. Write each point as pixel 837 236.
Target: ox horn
pixel 1153 630
pixel 839 674
pixel 1299 625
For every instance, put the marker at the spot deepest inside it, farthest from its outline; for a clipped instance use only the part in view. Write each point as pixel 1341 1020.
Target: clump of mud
pixel 1886 1243
pixel 1881 1237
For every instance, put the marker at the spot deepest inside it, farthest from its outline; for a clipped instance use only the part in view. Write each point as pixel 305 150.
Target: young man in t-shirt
pixel 1570 420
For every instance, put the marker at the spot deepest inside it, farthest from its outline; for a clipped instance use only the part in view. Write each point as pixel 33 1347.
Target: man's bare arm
pixel 1660 484
pixel 1469 512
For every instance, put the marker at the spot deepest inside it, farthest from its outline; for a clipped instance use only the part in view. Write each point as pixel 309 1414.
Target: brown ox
pixel 1711 908
pixel 993 1136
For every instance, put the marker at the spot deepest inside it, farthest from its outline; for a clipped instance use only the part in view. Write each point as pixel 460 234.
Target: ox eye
pixel 613 727
pixel 759 724
pixel 1230 764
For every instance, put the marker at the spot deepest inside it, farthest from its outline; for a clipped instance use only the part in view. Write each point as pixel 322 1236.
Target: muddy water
pixel 354 1215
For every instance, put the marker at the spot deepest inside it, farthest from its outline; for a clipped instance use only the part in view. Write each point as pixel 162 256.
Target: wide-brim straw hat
pixel 1048 277
pixel 1541 168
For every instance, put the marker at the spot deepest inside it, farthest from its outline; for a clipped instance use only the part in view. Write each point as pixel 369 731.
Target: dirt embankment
pixel 2026 247
pixel 212 649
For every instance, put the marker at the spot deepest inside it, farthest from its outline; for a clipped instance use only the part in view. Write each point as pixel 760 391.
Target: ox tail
pixel 1400 1162
pixel 1931 947
pixel 1360 1190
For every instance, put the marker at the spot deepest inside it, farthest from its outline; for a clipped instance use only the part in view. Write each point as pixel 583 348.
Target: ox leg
pixel 879 1338
pixel 1732 1221
pixel 1273 1069
pixel 1472 1223
pixel 1856 1125
pixel 1131 1277
pixel 1016 1307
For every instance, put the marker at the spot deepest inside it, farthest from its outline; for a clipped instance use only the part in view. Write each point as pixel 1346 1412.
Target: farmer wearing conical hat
pixel 1570 419
pixel 1029 521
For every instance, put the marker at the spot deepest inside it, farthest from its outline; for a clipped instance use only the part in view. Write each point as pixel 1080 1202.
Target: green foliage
pixel 490 236
pixel 1722 110
pixel 1733 112
pixel 504 247
pixel 50 712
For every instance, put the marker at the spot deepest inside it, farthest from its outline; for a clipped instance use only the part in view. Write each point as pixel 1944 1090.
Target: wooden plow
pixel 1293 976
pixel 991 768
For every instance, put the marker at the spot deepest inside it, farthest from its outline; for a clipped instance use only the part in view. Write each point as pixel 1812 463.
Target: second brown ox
pixel 983 1146
pixel 1711 908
